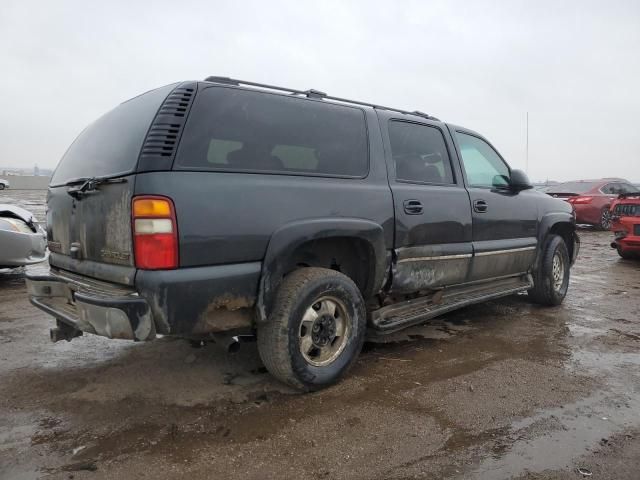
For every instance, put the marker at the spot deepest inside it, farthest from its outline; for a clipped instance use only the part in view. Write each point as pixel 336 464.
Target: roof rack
pixel 311 93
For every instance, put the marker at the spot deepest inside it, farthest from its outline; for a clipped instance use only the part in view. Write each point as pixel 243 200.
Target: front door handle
pixel 412 207
pixel 480 206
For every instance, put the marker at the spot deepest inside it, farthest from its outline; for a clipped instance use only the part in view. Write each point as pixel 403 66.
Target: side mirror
pixel 519 181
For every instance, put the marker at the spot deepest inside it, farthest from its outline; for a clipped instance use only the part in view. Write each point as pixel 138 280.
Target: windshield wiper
pixel 88 185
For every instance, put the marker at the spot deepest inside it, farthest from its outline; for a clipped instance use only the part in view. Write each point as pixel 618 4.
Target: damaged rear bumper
pixel 91 306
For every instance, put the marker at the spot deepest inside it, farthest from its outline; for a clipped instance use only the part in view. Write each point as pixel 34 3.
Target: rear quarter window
pixel 110 146
pixel 247 131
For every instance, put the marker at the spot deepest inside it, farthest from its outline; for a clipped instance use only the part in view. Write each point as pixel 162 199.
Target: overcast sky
pixel 574 66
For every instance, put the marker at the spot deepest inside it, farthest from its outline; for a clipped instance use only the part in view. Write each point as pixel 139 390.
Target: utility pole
pixel 527 147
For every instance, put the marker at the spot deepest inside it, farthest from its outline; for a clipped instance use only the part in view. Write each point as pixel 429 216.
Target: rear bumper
pixel 189 302
pixel 90 306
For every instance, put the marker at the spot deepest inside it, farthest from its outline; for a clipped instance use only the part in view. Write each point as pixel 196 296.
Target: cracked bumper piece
pixel 97 307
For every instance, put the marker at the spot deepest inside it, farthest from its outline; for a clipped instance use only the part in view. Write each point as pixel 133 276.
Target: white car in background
pixel 22 240
pixel 4 184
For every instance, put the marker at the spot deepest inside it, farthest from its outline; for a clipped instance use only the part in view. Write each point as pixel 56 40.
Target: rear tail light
pixel 580 200
pixel 155 233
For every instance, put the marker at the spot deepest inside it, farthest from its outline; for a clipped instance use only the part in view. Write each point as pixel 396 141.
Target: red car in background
pixel 625 216
pixel 592 199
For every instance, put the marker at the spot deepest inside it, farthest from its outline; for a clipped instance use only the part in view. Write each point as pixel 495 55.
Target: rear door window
pixel 419 153
pixel 247 131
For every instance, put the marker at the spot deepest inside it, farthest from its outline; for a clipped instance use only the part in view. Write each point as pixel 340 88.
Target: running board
pixel 410 312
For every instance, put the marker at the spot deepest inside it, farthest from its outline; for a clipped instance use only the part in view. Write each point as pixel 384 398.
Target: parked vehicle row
pixel 592 199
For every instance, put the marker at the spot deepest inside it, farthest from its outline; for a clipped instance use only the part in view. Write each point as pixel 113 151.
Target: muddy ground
pixel 500 390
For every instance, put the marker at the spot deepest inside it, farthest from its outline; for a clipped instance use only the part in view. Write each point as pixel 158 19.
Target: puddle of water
pixel 581 426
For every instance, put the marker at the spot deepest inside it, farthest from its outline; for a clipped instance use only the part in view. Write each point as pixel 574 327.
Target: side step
pixel 410 312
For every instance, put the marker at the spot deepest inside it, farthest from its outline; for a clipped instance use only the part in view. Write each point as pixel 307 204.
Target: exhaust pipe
pixel 232 343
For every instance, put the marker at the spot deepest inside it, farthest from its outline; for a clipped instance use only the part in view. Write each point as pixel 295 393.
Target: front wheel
pixel 605 219
pixel 316 329
pixel 551 279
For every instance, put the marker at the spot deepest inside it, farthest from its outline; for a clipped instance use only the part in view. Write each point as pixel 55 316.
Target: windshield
pixel 110 146
pixel 573 187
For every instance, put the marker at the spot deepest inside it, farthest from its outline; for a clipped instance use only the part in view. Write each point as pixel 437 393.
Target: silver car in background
pixel 22 240
pixel 4 183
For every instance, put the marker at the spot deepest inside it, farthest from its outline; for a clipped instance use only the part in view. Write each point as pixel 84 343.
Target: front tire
pixel 551 279
pixel 316 329
pixel 605 219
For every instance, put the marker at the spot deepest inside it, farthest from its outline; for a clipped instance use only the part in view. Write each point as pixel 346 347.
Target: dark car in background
pixel 591 199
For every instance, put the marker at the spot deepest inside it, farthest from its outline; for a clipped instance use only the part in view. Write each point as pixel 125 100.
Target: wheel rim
pixel 324 331
pixel 558 272
pixel 605 222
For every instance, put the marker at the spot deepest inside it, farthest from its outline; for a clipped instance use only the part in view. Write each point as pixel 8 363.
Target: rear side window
pixel 239 130
pixel 419 153
pixel 110 146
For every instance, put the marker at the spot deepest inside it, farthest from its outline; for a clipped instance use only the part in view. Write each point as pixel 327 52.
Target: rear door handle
pixel 480 206
pixel 412 207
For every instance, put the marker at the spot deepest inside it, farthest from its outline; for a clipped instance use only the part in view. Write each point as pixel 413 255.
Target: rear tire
pixel 551 279
pixel 316 329
pixel 1 186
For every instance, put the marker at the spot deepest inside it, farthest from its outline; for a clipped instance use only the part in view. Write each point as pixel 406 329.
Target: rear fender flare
pixel 286 239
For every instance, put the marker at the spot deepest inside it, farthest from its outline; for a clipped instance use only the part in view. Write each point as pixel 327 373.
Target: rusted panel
pixel 225 313
pixel 425 274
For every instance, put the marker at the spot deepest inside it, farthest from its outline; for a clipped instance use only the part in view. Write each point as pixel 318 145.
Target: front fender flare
pixel 287 238
pixel 547 222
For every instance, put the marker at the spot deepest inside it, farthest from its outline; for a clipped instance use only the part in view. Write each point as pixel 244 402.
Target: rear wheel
pixel 316 329
pixel 605 219
pixel 1 186
pixel 551 279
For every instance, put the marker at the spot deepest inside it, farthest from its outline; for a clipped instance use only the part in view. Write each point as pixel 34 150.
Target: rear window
pixel 246 131
pixel 573 187
pixel 110 146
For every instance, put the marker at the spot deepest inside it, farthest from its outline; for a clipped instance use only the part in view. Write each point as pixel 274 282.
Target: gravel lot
pixel 500 390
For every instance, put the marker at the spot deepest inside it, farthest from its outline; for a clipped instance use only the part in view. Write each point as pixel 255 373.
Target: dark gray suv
pixel 211 209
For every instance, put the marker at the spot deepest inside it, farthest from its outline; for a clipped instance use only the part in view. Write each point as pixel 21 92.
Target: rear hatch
pixel 89 199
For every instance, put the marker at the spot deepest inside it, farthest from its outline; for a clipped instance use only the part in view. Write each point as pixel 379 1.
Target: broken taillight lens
pixel 155 233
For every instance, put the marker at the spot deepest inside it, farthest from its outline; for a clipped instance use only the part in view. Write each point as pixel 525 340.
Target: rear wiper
pixel 88 185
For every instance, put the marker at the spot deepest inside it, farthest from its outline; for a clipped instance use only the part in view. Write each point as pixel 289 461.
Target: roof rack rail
pixel 311 93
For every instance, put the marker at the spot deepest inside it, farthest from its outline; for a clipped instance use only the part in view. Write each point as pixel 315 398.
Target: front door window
pixel 483 166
